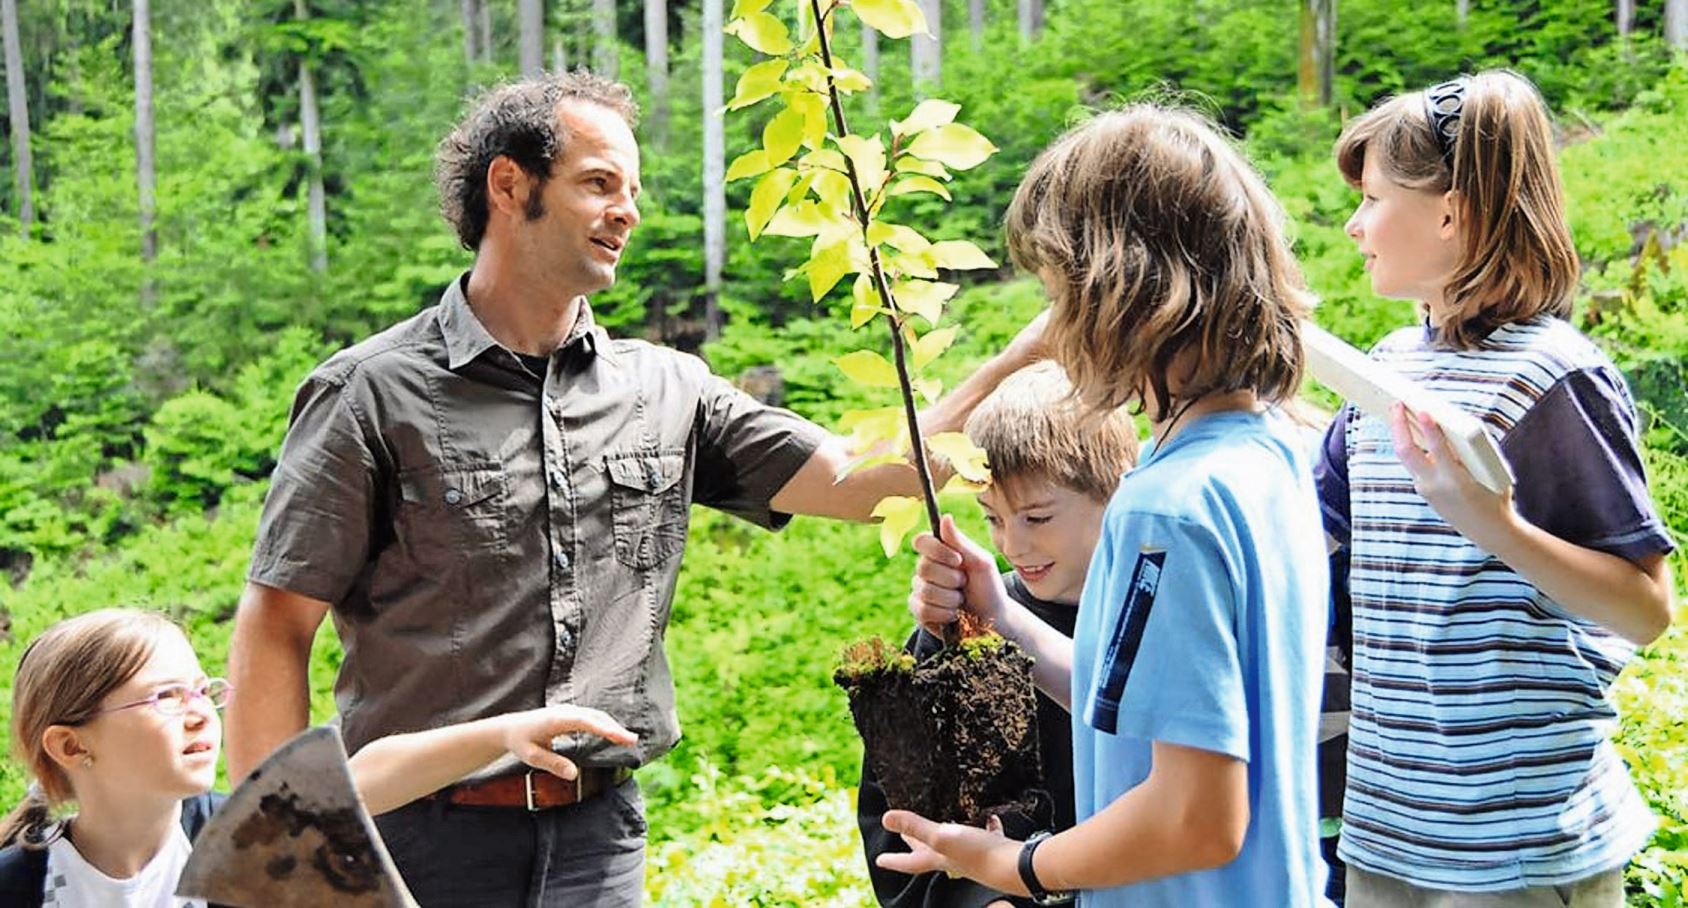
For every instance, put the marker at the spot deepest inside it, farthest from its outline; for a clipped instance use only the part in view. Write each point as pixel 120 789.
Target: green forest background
pixel 142 403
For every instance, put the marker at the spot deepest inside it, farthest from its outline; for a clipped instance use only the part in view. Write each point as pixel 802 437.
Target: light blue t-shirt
pixel 1203 624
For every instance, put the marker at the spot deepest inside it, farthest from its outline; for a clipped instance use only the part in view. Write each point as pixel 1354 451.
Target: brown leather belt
pixel 536 789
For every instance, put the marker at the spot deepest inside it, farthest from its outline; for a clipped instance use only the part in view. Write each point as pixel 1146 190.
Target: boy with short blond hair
pixel 1053 470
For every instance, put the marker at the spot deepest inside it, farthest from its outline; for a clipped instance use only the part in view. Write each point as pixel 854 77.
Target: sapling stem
pixel 858 199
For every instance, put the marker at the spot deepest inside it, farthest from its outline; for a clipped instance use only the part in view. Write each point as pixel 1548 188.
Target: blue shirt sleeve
pixel 1171 671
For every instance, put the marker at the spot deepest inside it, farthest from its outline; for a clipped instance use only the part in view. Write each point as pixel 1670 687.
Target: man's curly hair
pixel 517 120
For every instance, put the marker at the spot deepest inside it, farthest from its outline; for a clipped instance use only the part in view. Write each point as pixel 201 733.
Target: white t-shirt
pixel 72 882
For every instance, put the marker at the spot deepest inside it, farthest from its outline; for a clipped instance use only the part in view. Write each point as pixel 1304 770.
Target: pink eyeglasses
pixel 174 699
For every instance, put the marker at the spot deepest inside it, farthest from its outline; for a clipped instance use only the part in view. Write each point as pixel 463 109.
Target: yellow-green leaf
pixel 827 268
pixel 965 457
pixel 870 429
pixel 813 108
pixel 749 164
pixel 898 514
pixel 825 158
pixel 800 188
pixel 891 18
pixel 931 344
pixel 758 82
pixel 804 218
pixel 762 32
pixel 907 163
pixel 959 255
pixel 864 301
pixel 765 199
pixel 913 264
pixel 742 8
pixel 782 136
pixel 953 145
pixel 811 75
pixel 849 80
pixel 923 298
pixel 959 484
pixel 931 112
pixel 918 183
pixel 868 369
pixel 897 236
pixel 929 388
pixel 833 189
pixel 868 154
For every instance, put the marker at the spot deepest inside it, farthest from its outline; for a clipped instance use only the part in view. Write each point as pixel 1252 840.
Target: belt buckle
pixel 527 785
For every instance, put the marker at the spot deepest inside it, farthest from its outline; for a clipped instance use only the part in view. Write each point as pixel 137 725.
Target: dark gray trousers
pixel 586 855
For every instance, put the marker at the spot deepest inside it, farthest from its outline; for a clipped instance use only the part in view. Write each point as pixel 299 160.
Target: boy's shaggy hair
pixel 1517 259
pixel 1162 250
pixel 1029 428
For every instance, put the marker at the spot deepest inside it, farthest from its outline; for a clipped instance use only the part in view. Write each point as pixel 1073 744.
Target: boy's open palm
pixel 953 573
pixel 528 735
pixel 985 854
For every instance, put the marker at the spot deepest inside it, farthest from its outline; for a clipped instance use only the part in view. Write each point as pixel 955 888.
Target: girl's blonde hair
pixel 1517 260
pixel 1156 239
pixel 63 676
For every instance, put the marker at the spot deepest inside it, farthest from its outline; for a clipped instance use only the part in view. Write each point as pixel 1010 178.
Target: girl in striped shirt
pixel 1488 628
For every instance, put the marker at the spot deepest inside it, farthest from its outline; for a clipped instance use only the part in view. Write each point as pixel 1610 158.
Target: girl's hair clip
pixel 1442 106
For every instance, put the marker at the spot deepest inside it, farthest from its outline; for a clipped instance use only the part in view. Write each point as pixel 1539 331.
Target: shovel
pixel 295 834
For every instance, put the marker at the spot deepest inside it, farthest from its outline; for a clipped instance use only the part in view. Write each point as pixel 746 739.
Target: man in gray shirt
pixel 491 498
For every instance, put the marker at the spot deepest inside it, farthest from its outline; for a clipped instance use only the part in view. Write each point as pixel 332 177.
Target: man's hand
pixel 1466 504
pixel 985 855
pixel 954 573
pixel 528 735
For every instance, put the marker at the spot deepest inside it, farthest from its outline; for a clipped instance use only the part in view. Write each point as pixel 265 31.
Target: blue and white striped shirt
pixel 1479 753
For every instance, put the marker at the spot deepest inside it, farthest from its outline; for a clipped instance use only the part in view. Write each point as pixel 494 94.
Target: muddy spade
pixel 295 834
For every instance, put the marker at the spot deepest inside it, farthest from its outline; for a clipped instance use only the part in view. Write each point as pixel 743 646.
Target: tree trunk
pixel 559 59
pixel 17 107
pixel 1676 24
pixel 603 39
pixel 927 51
pixel 1031 18
pixel 1317 70
pixel 656 67
pixel 976 23
pixel 483 24
pixel 870 65
pixel 1462 11
pixel 470 54
pixel 311 124
pixel 531 14
pixel 145 170
pixel 1625 17
pixel 714 170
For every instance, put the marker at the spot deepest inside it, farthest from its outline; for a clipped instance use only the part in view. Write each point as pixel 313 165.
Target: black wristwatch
pixel 1040 895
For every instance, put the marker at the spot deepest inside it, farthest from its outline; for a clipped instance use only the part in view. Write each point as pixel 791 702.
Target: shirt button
pixel 562 559
pixel 654 478
pixel 453 496
pixel 556 479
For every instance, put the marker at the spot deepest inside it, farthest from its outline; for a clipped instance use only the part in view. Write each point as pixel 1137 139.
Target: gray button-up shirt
pixel 495 540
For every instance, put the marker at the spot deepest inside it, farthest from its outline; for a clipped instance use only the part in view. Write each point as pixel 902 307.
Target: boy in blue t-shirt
pixel 1195 671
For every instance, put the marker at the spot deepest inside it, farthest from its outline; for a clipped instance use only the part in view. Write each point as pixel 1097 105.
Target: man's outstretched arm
pixel 269 667
pixel 814 489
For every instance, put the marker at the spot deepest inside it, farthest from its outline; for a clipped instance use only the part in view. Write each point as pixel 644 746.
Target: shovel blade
pixel 295 834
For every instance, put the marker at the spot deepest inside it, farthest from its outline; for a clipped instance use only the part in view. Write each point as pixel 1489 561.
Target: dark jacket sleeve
pixel 23 876
pixel 900 890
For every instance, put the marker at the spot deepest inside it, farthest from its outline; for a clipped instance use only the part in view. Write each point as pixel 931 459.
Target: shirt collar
pixel 466 338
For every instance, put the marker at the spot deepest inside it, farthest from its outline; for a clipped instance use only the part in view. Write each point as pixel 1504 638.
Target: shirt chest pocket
pixel 447 511
pixel 648 503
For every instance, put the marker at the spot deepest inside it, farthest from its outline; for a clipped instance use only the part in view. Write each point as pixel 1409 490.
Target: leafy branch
pixel 836 192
